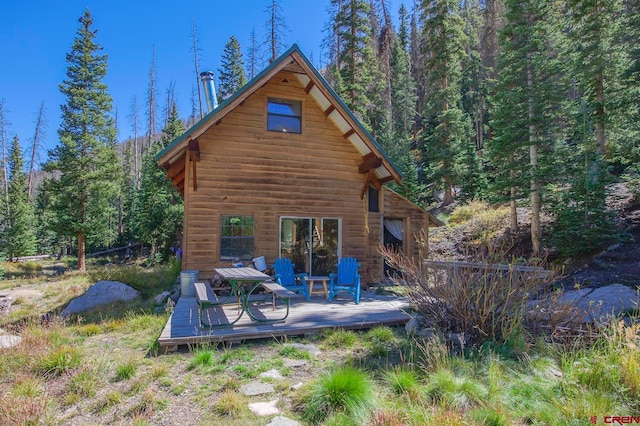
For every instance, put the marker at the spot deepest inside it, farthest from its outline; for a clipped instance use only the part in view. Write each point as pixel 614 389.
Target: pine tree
pixel 403 85
pixel 447 126
pixel 526 107
pixel 158 207
pixel 85 159
pixel 48 240
pixel 403 101
pixel 19 236
pixel 359 53
pixel 231 76
pixel 595 27
pixel 473 73
pixel 625 144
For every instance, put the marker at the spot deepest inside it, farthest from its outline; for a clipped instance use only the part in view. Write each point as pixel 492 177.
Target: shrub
pixel 479 303
pixel 584 224
pixel 343 391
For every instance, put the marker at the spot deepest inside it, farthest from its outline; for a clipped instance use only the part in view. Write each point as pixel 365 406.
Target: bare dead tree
pixel 276 29
pixel 151 100
pixel 196 64
pixel 3 137
pixel 136 143
pixel 252 56
pixel 37 137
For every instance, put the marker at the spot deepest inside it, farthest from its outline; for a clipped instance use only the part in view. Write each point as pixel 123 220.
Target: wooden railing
pixel 456 265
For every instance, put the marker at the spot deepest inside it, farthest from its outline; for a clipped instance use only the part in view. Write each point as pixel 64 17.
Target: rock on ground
pixel 264 408
pixel 282 421
pixel 9 341
pixel 101 293
pixel 604 302
pixel 256 388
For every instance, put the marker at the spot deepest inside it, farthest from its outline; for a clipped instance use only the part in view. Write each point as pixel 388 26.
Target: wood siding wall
pixel 415 219
pixel 246 170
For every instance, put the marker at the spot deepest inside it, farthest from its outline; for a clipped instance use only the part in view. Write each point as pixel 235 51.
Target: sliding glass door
pixel 312 244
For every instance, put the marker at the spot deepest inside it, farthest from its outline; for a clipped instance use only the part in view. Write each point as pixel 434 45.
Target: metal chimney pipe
pixel 209 90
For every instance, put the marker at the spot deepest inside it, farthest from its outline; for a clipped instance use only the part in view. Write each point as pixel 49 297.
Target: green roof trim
pixel 294 48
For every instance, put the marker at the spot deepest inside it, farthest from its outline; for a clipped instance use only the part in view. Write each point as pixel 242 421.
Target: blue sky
pixel 35 36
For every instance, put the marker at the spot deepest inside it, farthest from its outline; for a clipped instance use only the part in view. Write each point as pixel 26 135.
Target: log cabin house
pixel 283 169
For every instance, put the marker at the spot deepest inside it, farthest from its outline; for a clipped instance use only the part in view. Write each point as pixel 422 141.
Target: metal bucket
pixel 259 263
pixel 187 281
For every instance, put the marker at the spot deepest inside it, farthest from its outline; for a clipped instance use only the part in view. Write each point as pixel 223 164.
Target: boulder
pixel 101 293
pixel 600 304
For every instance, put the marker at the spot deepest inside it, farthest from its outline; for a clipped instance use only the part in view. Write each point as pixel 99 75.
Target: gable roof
pixel 376 162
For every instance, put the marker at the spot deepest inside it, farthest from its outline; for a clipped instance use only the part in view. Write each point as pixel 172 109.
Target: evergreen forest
pixel 528 103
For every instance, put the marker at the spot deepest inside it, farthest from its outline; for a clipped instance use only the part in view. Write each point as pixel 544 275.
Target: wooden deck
pixel 183 327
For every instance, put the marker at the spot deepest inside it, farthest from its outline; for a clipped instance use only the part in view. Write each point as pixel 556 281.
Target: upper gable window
pixel 284 116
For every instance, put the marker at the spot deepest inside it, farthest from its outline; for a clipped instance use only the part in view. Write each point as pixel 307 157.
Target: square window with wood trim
pixel 284 115
pixel 236 238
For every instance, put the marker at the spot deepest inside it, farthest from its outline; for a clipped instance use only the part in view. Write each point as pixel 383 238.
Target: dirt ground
pixel 620 263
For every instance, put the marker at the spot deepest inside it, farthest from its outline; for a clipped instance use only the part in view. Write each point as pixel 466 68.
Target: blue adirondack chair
pixel 347 279
pixel 285 276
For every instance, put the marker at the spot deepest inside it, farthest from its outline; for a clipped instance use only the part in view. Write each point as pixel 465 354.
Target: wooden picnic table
pixel 243 283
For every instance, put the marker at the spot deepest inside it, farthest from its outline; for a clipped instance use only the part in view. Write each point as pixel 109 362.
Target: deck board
pixel 183 326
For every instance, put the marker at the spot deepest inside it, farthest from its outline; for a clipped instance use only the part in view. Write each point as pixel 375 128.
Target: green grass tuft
pixel 60 361
pixel 339 338
pixel 201 358
pixel 292 352
pixel 452 391
pixel 125 371
pixel 344 391
pixel 230 404
pixel 405 382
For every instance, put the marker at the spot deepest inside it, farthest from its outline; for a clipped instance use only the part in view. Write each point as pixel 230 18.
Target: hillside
pixel 618 264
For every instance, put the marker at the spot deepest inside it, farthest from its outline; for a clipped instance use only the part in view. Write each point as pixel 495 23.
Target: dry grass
pixel 480 222
pixel 64 374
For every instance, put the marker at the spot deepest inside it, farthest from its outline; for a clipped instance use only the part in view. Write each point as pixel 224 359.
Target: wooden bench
pixel 277 290
pixel 283 293
pixel 206 298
